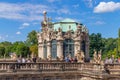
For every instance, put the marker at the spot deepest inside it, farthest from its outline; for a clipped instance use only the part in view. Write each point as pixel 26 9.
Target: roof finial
pixel 45 19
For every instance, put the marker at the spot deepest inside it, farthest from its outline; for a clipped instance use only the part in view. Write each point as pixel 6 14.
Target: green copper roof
pixel 65 25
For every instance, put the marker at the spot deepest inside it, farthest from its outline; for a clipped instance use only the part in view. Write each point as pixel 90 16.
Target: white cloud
pixel 24 11
pixel 99 22
pixel 30 12
pixel 106 7
pixel 18 32
pixel 24 25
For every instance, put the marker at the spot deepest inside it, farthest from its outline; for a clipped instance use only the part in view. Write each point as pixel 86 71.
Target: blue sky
pixel 19 17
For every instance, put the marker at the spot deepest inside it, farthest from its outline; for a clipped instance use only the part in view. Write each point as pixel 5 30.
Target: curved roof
pixel 67 24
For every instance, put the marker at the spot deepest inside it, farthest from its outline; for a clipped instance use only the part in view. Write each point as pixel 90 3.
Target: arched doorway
pixel 54 49
pixel 83 46
pixel 68 47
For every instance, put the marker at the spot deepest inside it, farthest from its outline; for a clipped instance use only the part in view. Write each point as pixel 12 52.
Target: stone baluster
pixel 2 66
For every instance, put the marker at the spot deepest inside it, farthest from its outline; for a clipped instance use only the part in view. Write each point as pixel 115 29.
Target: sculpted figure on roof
pixel 59 34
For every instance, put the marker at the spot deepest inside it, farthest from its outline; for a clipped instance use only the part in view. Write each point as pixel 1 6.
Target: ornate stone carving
pixel 95 57
pixel 53 35
pixel 49 57
pixel 68 34
pixel 48 38
pixel 40 38
pixel 99 57
pixel 59 34
pixel 13 56
pixel 80 56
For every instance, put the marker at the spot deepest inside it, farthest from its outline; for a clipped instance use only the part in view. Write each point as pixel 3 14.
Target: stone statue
pixel 80 56
pixel 13 56
pixel 59 34
pixel 78 31
pixel 61 58
pixel 99 57
pixel 53 35
pixel 48 35
pixel 40 37
pixel 95 57
pixel 49 57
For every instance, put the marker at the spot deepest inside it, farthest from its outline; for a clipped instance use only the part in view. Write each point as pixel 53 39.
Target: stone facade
pixel 62 38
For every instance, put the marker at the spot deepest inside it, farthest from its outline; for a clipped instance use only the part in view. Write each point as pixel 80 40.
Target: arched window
pixel 54 49
pixel 45 49
pixel 68 47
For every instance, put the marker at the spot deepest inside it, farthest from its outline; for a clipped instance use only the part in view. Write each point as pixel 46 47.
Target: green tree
pixel 2 51
pixel 34 50
pixel 118 45
pixel 32 38
pixel 96 43
pixel 22 50
pixel 15 44
pixel 7 45
pixel 110 47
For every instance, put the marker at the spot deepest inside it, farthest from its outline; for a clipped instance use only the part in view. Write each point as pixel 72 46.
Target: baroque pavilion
pixel 59 39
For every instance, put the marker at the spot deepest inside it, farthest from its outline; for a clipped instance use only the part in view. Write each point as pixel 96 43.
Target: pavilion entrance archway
pixel 68 47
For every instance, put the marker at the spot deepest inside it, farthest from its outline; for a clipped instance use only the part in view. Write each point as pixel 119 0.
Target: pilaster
pixel 60 49
pixel 48 50
pixel 41 51
pixel 76 46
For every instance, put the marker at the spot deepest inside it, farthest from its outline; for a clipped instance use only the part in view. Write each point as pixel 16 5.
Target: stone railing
pixel 91 70
pixel 112 68
pixel 59 66
pixel 48 66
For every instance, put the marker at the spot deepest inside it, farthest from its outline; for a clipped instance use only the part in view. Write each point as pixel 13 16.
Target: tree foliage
pixel 32 38
pixel 34 50
pixel 22 50
pixel 2 51
pixel 96 43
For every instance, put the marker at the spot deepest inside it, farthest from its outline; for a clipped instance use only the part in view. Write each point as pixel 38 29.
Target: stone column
pixel 41 51
pixel 48 50
pixel 60 49
pixel 77 46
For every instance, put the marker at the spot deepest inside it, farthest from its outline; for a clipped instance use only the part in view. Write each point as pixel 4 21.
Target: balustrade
pixel 47 66
pixel 57 66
